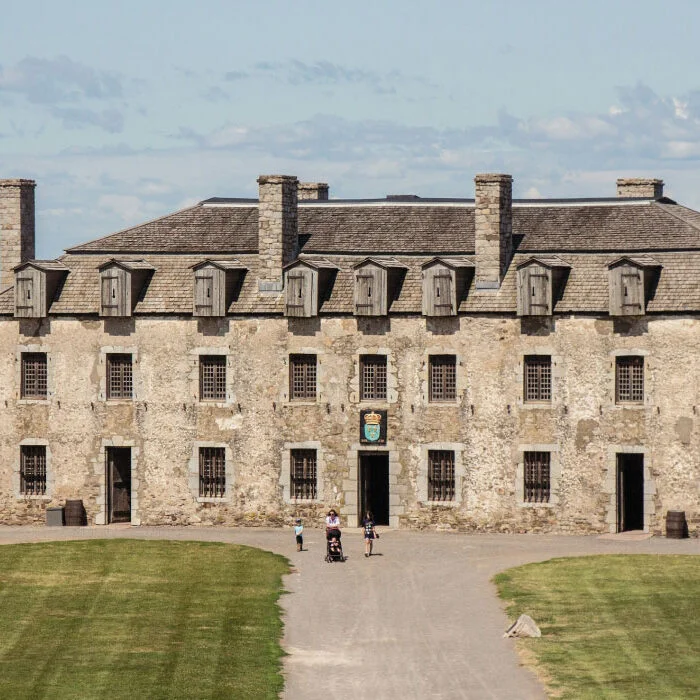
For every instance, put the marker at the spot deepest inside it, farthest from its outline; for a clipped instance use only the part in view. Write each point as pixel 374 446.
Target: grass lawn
pixel 134 619
pixel 612 626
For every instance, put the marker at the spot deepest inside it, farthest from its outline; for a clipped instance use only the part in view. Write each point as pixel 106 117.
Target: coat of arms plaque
pixel 373 427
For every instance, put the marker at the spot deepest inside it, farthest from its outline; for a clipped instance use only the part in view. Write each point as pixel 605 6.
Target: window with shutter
pixel 441 475
pixel 303 465
pixel 212 472
pixel 629 379
pixel 537 377
pixel 442 378
pixel 373 377
pixel 302 377
pixel 33 470
pixel 34 375
pixel 537 476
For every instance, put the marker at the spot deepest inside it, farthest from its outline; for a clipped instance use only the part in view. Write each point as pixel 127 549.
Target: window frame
pixel 371 388
pixel 212 472
pixel 537 484
pixel 111 362
pixel 218 380
pixel 441 487
pixel 537 384
pixel 442 364
pixel 307 364
pixel 41 376
pixel 626 364
pixel 304 487
pixel 34 456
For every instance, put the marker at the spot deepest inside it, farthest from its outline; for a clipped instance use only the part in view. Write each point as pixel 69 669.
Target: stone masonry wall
pixel 277 225
pixel 493 221
pixel 16 226
pixel 165 423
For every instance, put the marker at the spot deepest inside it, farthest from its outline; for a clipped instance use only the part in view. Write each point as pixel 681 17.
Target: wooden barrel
pixel 74 513
pixel 676 525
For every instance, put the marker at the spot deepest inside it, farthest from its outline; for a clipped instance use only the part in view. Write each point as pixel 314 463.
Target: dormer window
pixel 445 281
pixel 377 282
pixel 121 284
pixel 36 283
pixel 307 283
pixel 541 283
pixel 216 284
pixel 631 281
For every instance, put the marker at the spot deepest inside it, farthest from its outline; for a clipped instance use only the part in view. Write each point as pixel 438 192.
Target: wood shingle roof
pixel 589 234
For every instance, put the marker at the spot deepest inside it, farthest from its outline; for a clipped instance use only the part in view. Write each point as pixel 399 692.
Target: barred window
pixel 442 378
pixel 212 377
pixel 212 472
pixel 303 474
pixel 537 478
pixel 34 375
pixel 538 378
pixel 302 377
pixel 629 379
pixel 32 475
pixel 372 377
pixel 441 475
pixel 120 383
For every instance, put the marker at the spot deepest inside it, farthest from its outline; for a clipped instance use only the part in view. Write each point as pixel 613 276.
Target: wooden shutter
pixel 370 291
pixel 115 295
pixel 204 292
pixel 534 291
pixel 632 290
pixel 26 296
pixel 295 293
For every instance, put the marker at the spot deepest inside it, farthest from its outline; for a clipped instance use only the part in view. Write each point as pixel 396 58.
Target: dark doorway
pixel 374 486
pixel 630 492
pixel 118 484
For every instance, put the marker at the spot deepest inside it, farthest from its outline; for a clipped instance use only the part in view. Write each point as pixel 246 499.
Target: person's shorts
pixel 300 539
pixel 369 535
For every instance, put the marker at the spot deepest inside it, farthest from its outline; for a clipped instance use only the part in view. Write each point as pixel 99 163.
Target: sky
pixel 123 112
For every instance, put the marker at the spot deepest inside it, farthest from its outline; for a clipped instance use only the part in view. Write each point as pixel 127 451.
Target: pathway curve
pixel 419 620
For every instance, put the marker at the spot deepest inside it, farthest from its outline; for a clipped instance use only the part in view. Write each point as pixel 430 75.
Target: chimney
pixel 493 228
pixel 16 227
pixel 648 187
pixel 277 229
pixel 313 190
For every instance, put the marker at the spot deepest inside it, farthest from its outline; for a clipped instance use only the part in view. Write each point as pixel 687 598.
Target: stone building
pixel 476 364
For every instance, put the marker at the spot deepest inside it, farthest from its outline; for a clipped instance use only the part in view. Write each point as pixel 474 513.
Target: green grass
pixel 612 626
pixel 140 620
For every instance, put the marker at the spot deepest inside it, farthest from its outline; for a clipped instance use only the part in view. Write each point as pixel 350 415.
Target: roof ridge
pixel 675 215
pixel 75 248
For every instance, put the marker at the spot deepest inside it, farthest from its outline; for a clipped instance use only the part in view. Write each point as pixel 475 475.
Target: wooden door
pixel 119 484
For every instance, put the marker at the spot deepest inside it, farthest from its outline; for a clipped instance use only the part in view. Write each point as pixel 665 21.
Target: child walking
pixel 299 534
pixel 370 533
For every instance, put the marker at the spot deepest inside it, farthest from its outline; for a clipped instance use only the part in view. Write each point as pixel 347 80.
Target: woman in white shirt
pixel 332 525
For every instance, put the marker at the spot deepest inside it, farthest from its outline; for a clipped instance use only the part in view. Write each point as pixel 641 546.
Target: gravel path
pixel 418 620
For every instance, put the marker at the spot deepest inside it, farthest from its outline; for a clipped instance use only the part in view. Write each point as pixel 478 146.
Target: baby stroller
pixel 334 547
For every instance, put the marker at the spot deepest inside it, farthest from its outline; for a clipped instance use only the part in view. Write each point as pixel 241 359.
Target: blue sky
pixel 126 111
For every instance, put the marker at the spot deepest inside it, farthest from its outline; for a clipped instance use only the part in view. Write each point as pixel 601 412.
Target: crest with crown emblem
pixel 372 422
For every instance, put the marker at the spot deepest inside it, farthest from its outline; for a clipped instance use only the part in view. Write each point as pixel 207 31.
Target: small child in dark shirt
pixel 334 546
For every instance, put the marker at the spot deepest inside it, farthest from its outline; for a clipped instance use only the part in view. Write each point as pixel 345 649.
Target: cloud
pixel 58 80
pixel 294 72
pixel 111 120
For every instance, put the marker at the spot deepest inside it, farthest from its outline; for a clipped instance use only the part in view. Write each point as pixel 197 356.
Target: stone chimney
pixel 640 187
pixel 278 242
pixel 313 190
pixel 16 227
pixel 493 228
